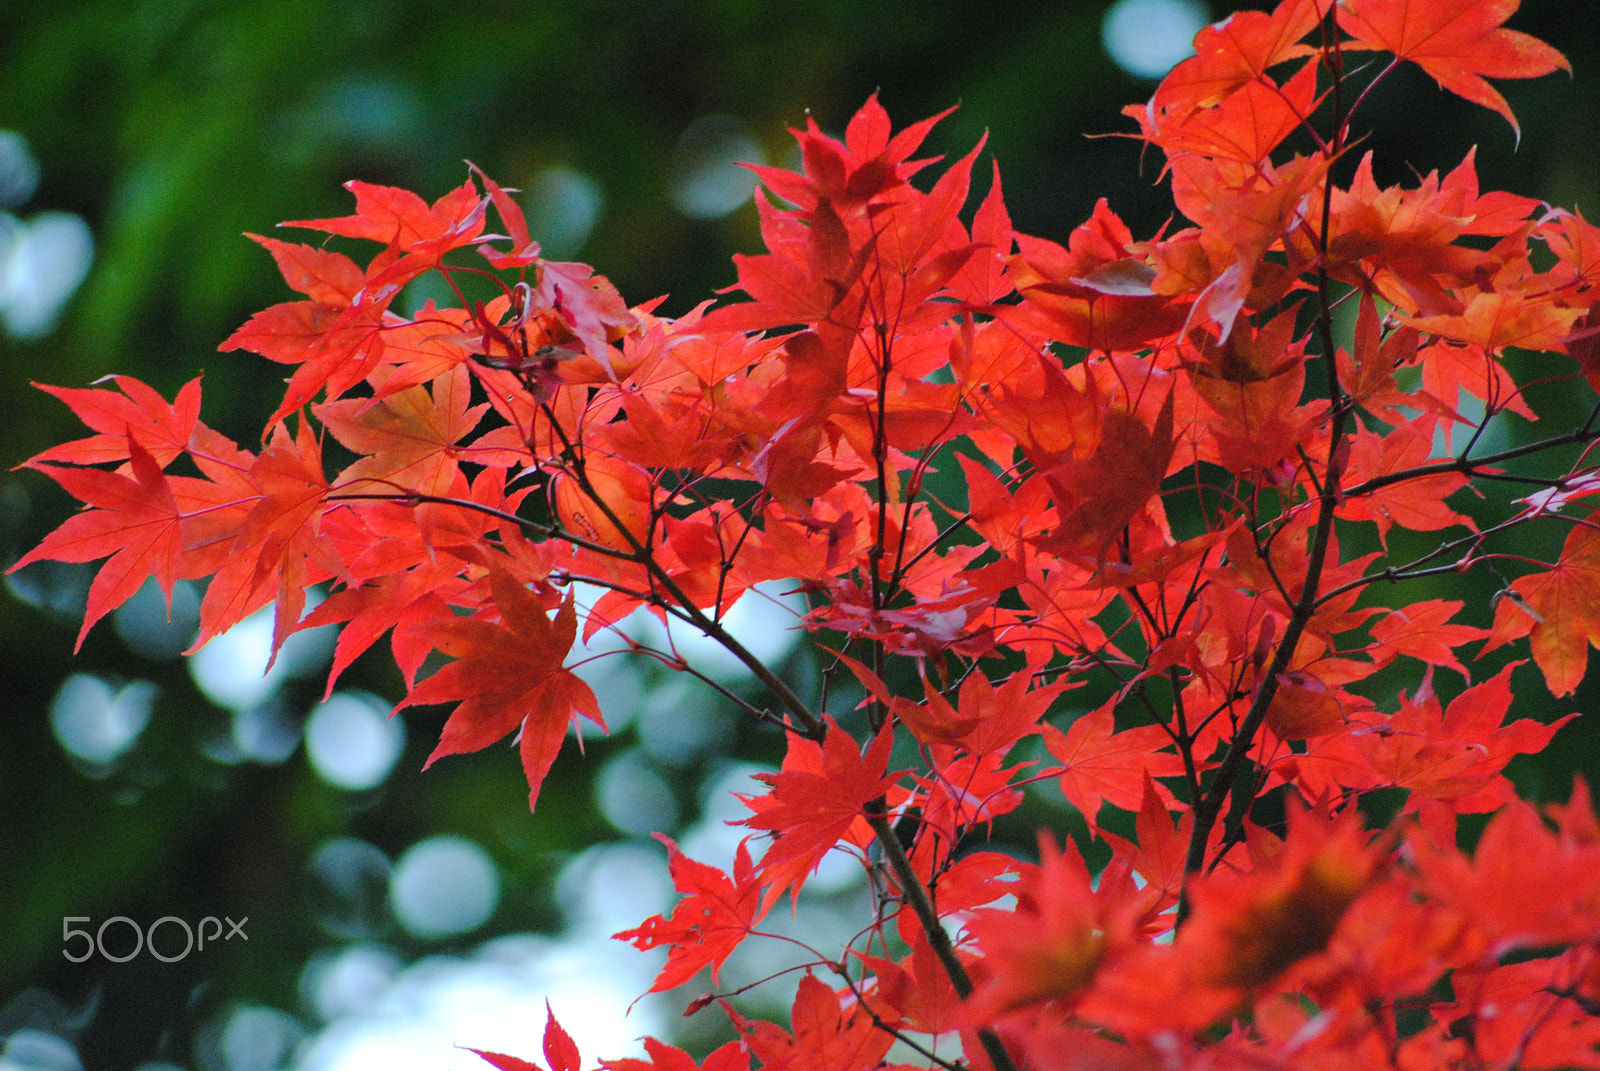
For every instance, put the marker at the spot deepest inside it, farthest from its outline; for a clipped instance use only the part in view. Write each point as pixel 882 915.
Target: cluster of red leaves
pixel 1164 453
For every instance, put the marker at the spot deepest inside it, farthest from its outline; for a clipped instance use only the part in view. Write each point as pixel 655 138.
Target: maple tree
pixel 1182 463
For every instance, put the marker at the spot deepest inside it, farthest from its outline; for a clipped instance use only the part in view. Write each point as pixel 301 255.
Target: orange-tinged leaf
pixel 1418 503
pixel 1497 320
pixel 624 488
pixel 1243 128
pixel 408 438
pixel 1234 52
pixel 323 276
pixel 1423 630
pixel 400 218
pixel 1458 42
pixel 1558 610
pixel 162 429
pixel 1457 752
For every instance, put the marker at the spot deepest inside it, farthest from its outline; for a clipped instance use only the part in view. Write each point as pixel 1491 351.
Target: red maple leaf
pixel 1105 766
pixel 1049 947
pixel 1558 610
pixel 272 556
pixel 826 1037
pixel 1159 851
pixel 716 914
pixel 816 801
pixel 164 430
pixel 133 519
pixel 1459 42
pixel 508 674
pixel 560 1051
pixel 663 1057
pixel 1234 52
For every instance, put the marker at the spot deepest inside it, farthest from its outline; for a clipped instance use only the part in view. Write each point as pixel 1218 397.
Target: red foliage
pixel 1182 481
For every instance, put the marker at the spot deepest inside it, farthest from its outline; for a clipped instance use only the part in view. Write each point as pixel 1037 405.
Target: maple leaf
pixel 716 914
pixel 163 430
pixel 407 225
pixel 399 603
pixel 663 1057
pixel 1159 850
pixel 1232 53
pixel 560 1051
pixel 1403 242
pixel 276 542
pixel 1458 42
pixel 1096 293
pixel 1558 610
pixel 419 350
pixel 325 277
pixel 915 992
pixel 1248 929
pixel 1525 885
pixel 1457 754
pixel 1049 947
pixel 1528 1013
pixel 1102 462
pixel 507 675
pixel 1453 753
pixel 1105 766
pixel 133 519
pixel 1423 630
pixel 825 1036
pixel 983 279
pixel 408 438
pixel 623 487
pixel 815 801
pixel 335 348
pixel 1494 321
pixel 1417 503
pixel 1242 128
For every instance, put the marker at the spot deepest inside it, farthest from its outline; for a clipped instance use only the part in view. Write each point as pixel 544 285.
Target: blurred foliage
pixel 172 126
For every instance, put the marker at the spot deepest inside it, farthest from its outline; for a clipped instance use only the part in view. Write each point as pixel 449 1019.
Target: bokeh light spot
pixel 351 741
pixel 349 888
pixel 1147 38
pixel 634 797
pixel 443 886
pixel 98 723
pixel 708 182
pixel 563 207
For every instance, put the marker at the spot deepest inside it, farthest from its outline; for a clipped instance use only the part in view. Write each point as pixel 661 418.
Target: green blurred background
pixel 169 127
